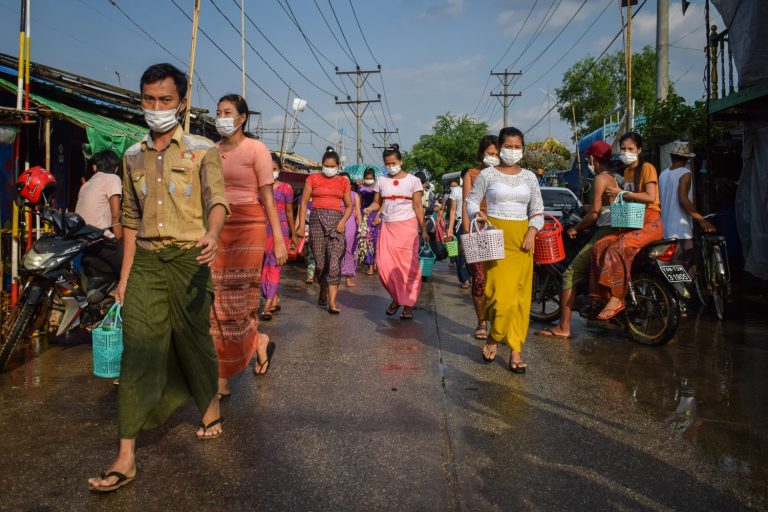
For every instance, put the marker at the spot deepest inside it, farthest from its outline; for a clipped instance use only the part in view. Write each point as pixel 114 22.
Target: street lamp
pixel 298 105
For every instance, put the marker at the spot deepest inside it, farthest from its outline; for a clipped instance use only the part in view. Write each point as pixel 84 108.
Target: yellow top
pixel 167 194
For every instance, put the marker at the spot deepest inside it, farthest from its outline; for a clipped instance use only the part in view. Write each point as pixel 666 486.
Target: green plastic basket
pixel 452 247
pixel 625 214
pixel 108 348
pixel 426 260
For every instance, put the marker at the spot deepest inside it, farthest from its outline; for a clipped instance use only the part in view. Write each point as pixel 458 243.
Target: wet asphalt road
pixel 366 412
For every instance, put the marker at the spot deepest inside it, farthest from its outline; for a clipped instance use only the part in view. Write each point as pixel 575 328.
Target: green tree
pixel 595 89
pixel 450 147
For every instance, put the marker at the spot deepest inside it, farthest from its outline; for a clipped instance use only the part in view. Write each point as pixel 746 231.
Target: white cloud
pixel 442 9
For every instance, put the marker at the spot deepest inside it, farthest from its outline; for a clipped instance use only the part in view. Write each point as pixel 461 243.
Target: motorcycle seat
pixel 663 241
pixel 714 238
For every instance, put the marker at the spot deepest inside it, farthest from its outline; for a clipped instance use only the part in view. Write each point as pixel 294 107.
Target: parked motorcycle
pixel 54 290
pixel 653 301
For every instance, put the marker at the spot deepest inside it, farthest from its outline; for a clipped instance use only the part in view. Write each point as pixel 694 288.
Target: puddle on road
pixel 706 385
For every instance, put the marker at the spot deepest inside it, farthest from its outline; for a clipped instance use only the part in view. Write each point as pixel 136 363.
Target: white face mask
pixel 369 181
pixel 161 121
pixel 226 126
pixel 511 156
pixel 394 170
pixel 627 157
pixel 275 174
pixel 491 161
pixel 330 172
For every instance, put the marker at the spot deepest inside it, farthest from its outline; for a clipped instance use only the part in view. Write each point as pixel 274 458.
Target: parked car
pixel 559 199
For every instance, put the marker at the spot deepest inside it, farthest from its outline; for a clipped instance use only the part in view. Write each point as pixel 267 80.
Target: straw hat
pixel 681 148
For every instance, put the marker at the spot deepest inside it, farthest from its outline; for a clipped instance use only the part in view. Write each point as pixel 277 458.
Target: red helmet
pixel 35 184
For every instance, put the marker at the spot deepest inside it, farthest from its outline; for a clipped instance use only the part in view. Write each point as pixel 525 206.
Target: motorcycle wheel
pixel 654 320
pixel 545 300
pixel 18 328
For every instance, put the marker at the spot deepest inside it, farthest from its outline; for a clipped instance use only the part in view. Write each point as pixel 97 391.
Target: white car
pixel 558 199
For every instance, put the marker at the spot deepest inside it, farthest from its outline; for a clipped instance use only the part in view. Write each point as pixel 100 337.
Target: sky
pixel 435 56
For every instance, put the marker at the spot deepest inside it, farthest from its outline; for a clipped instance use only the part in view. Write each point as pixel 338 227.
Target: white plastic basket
pixel 483 244
pixel 625 214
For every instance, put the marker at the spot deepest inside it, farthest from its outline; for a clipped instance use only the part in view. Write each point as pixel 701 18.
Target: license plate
pixel 675 273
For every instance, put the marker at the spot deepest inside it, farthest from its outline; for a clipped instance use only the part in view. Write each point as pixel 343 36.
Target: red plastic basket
pixel 294 251
pixel 549 247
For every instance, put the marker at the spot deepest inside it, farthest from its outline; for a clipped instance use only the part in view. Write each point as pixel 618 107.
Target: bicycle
pixel 713 273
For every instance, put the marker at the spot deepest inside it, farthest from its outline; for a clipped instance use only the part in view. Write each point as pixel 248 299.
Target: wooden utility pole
pixel 195 22
pixel 385 135
pixel 361 76
pixel 506 80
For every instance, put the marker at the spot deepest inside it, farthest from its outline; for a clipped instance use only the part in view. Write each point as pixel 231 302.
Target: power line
pixel 333 33
pixel 343 35
pixel 516 36
pixel 575 43
pixel 169 52
pixel 254 82
pixel 536 33
pixel 536 59
pixel 286 59
pixel 354 13
pixel 586 72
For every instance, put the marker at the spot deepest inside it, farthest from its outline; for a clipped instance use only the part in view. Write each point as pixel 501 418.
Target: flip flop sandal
pixel 484 335
pixel 549 333
pixel 121 481
pixel 334 311
pixel 276 309
pixel 268 362
pixel 517 366
pixel 205 428
pixel 492 358
pixel 407 316
pixel 266 316
pixel 392 309
pixel 612 313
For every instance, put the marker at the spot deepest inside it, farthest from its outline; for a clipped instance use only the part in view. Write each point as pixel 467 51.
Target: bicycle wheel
pixel 719 285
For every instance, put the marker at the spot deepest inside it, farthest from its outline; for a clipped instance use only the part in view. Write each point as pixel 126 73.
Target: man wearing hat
pixel 598 161
pixel 677 209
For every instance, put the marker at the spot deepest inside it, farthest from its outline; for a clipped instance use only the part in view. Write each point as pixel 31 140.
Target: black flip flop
pixel 390 310
pixel 268 362
pixel 121 481
pixel 205 428
pixel 266 316
pixel 406 316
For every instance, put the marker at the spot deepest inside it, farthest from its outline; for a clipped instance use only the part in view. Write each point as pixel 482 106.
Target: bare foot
pixel 348 282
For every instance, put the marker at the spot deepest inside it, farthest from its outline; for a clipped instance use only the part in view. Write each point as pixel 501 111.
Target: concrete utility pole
pixel 361 76
pixel 506 80
pixel 662 49
pixel 385 135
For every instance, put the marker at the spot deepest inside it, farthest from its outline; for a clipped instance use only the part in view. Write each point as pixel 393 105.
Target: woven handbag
pixel 483 244
pixel 625 214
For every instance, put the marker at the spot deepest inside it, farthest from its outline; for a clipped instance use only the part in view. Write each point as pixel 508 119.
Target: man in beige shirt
pixel 173 211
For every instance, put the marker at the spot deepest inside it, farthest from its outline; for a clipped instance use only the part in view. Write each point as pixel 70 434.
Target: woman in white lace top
pixel 514 206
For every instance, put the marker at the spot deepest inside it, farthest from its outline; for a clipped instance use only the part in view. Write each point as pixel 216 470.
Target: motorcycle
pixel 54 289
pixel 653 301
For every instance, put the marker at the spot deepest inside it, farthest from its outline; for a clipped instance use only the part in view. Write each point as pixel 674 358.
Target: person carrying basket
pixel 599 156
pixel 612 256
pixel 515 206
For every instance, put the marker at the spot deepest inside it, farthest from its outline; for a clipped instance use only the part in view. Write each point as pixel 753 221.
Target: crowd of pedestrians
pixel 201 231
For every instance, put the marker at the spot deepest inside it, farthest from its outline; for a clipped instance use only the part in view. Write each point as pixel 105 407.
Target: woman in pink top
pixel 331 207
pixel 398 196
pixel 236 272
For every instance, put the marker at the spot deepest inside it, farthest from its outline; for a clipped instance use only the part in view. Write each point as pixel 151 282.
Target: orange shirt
pixel 649 175
pixel 247 167
pixel 328 193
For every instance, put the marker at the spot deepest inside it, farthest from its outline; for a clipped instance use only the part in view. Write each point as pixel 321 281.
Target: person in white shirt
pixel 455 226
pixel 677 209
pixel 515 206
pixel 398 196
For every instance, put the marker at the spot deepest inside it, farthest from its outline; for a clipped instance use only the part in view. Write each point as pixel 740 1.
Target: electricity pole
pixel 361 76
pixel 506 80
pixel 662 49
pixel 385 135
